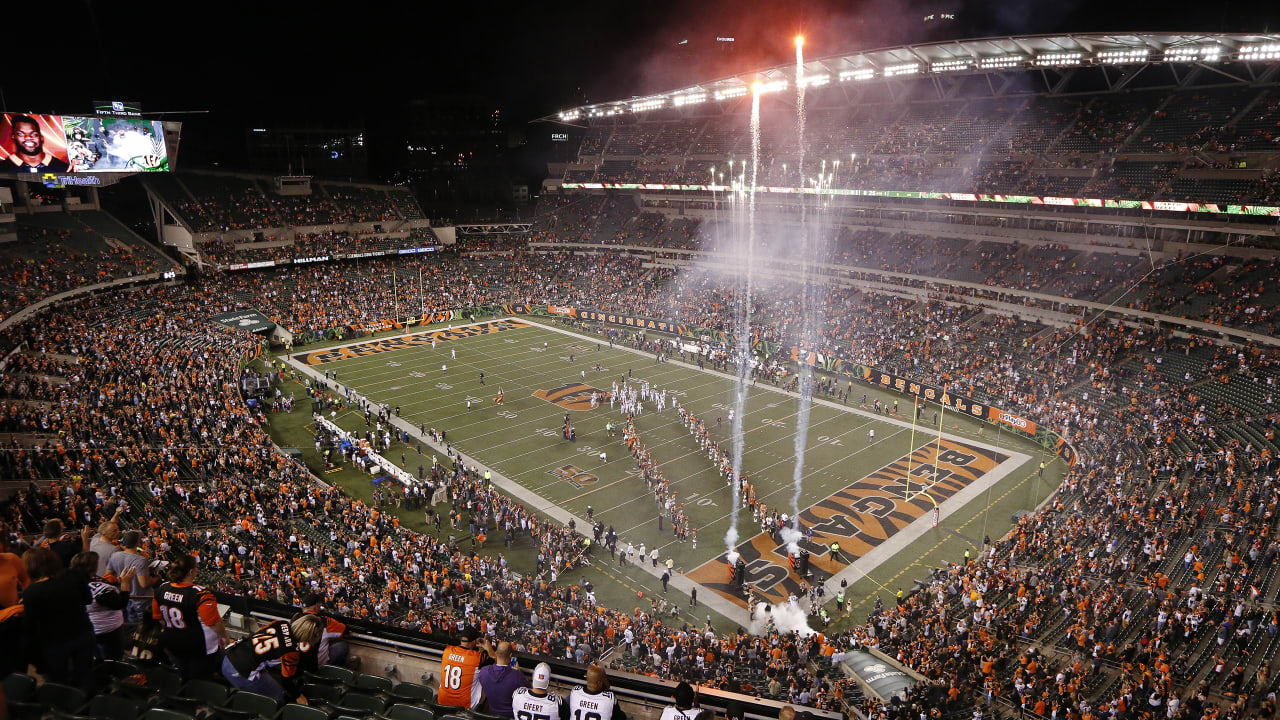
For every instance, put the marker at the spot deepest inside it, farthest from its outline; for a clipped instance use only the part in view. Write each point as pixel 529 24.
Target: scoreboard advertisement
pixel 71 146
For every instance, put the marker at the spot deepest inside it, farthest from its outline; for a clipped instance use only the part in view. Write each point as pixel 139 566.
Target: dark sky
pixel 250 62
pixel 530 57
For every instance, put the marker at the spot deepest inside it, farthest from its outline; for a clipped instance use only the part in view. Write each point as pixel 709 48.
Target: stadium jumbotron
pixel 935 380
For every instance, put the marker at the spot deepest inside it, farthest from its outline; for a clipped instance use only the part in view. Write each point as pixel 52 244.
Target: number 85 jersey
pixel 187 614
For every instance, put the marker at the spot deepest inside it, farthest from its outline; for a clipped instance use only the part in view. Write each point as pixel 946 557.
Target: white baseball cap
pixel 542 676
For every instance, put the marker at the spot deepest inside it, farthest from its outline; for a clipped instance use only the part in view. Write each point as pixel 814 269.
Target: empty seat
pixel 360 705
pixel 370 683
pixel 60 697
pixel 60 714
pixel 211 693
pixel 108 671
pixel 413 692
pixel 325 693
pixel 18 686
pixel 163 714
pixel 111 707
pixel 293 711
pixel 252 703
pixel 334 673
pixel 409 712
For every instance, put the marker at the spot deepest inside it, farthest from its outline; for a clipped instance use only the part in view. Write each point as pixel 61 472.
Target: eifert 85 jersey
pixel 585 705
pixel 527 706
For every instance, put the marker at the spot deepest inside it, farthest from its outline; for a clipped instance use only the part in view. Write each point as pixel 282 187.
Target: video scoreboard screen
pixel 34 147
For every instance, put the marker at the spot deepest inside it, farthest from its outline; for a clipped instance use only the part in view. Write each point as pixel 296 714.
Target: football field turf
pixel 852 489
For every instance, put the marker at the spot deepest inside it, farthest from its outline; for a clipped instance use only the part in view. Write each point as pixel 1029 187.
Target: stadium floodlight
pixel 1206 53
pixel 863 74
pixel 570 115
pixel 692 98
pixel 950 66
pixel 1121 57
pixel 1062 59
pixel 1270 51
pixel 815 80
pixel 1001 61
pixel 762 88
pixel 730 93
pixel 649 104
pixel 910 68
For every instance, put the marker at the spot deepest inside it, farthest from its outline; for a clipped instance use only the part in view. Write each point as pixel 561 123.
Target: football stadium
pixel 926 381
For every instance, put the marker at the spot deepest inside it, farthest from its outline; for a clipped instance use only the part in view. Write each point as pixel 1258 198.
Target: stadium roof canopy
pixel 1121 57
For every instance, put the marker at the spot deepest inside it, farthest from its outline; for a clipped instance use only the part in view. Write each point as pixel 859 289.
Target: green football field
pixel 851 488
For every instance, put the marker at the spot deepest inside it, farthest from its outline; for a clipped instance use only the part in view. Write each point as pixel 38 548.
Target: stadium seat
pixel 48 697
pixel 111 707
pixel 333 673
pixel 18 686
pixel 371 683
pixel 152 681
pixel 61 697
pixel 246 704
pixel 412 693
pixel 109 671
pixel 360 705
pixel 293 711
pixel 163 714
pixel 484 715
pixel 60 714
pixel 211 693
pixel 401 711
pixel 322 692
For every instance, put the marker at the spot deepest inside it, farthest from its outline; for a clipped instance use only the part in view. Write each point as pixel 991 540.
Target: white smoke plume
pixel 784 617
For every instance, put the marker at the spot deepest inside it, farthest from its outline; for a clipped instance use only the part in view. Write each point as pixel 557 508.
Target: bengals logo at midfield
pixel 574 396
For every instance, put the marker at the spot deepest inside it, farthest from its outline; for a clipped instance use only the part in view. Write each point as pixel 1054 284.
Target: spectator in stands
pixel 59 635
pixel 595 698
pixel 458 667
pixel 682 709
pixel 248 663
pixel 331 650
pixel 64 544
pixel 13 580
pixel 104 543
pixel 144 580
pixel 500 680
pixel 106 611
pixel 537 701
pixel 193 631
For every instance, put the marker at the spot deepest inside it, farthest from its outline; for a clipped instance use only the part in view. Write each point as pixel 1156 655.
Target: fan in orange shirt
pixel 458 666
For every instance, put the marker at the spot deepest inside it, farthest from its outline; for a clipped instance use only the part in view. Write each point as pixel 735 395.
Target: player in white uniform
pixel 595 701
pixel 535 703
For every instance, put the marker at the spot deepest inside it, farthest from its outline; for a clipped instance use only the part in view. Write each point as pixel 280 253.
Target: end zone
pixel 870 520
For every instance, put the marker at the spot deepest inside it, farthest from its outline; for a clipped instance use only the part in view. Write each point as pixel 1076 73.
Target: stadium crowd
pixel 1146 586
pixel 1173 582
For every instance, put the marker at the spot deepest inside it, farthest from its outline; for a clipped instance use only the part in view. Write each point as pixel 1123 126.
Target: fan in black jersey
pixel 595 701
pixel 247 665
pixel 536 703
pixel 193 631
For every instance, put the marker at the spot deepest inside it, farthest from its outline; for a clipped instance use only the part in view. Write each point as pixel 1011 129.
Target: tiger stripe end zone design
pixel 574 396
pixel 859 518
pixel 374 347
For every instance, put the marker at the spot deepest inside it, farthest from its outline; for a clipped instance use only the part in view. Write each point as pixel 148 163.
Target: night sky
pixel 283 60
